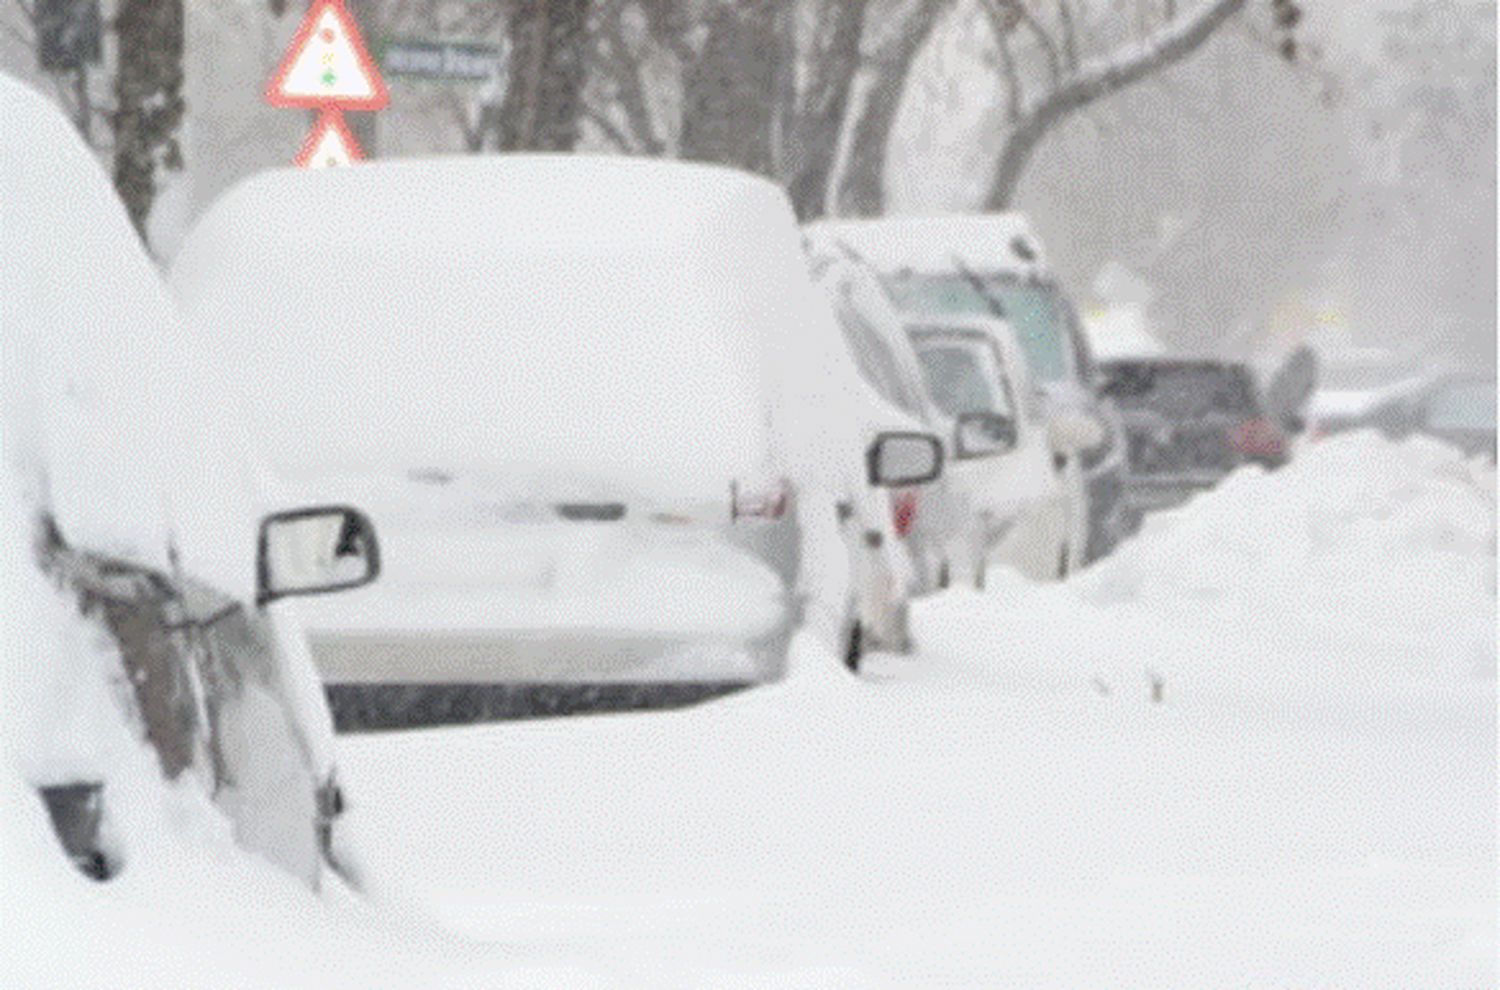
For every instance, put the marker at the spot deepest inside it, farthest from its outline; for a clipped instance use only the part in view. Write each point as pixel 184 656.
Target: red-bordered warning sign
pixel 327 65
pixel 329 144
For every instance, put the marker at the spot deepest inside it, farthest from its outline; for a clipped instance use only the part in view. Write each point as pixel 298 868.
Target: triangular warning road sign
pixel 327 65
pixel 329 144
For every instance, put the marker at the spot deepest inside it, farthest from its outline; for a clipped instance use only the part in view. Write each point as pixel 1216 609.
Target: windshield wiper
pixel 991 301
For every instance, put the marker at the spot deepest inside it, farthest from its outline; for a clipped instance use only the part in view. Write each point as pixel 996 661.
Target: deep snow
pixel 1311 804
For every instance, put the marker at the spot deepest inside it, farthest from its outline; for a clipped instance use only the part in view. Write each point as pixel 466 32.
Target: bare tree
pixel 1165 34
pixel 818 112
pixel 862 187
pixel 764 85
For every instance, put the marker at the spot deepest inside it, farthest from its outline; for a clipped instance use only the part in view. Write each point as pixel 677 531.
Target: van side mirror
pixel 313 551
pixel 896 460
pixel 983 434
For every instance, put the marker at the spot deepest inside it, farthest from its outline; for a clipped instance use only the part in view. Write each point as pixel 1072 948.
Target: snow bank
pixel 1362 562
pixel 829 830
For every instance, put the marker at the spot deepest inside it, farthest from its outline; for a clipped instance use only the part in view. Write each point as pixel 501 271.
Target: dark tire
pixel 1062 562
pixel 945 576
pixel 854 647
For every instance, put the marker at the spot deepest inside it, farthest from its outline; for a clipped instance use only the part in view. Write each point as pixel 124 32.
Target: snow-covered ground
pixel 1311 803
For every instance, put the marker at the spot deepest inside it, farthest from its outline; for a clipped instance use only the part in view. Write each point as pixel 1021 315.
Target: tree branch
pixel 609 129
pixel 1012 78
pixel 1101 78
pixel 1043 39
pixel 624 70
pixel 1069 33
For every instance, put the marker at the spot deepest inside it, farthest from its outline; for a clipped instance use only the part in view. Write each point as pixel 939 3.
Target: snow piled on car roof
pixel 985 242
pixel 603 316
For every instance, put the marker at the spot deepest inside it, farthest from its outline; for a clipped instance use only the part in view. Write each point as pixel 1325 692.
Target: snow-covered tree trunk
pixel 543 103
pixel 148 100
pixel 729 108
pixel 862 186
pixel 813 143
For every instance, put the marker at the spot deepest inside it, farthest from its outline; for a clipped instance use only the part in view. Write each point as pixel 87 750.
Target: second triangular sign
pixel 330 144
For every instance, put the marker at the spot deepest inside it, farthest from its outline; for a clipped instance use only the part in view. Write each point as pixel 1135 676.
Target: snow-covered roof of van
pixel 505 310
pixel 985 242
pixel 447 202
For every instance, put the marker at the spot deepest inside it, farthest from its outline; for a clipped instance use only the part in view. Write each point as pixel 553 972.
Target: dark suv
pixel 1188 423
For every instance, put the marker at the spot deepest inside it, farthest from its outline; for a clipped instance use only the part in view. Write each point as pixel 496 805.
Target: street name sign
pixel 453 61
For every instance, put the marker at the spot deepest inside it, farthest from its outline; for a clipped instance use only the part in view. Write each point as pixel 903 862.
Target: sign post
pixel 327 68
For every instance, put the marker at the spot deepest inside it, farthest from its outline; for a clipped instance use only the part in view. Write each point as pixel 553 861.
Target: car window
pixel 1462 406
pixel 963 376
pixel 875 359
pixel 1036 310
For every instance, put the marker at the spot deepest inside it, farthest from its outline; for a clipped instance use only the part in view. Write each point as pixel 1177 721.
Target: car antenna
pixel 995 306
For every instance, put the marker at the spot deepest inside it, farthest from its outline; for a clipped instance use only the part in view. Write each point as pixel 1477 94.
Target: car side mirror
pixel 313 551
pixel 1072 433
pixel 896 460
pixel 983 434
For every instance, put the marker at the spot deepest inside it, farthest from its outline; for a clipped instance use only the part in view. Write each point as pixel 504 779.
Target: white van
pixel 993 265
pixel 595 405
pixel 145 512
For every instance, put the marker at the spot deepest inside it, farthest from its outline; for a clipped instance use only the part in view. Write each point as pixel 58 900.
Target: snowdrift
pixel 1363 562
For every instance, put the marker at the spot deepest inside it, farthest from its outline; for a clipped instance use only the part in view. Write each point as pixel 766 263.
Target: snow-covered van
pixel 993 265
pixel 596 406
pixel 144 565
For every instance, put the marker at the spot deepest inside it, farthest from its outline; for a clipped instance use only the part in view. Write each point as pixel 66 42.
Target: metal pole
pixel 362 125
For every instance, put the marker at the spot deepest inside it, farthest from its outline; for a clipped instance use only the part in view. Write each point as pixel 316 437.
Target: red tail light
pixel 1258 438
pixel 766 501
pixel 903 512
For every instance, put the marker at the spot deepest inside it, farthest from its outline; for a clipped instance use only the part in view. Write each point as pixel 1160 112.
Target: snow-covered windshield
pixel 1036 310
pixel 1463 406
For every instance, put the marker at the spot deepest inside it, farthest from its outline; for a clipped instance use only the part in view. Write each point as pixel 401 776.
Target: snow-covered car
pixel 924 519
pixel 596 406
pixel 993 265
pixel 1189 423
pixel 1456 408
pixel 1015 495
pixel 165 560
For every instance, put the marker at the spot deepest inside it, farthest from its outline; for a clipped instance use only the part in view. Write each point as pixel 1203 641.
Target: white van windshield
pixel 1036 310
pixel 963 373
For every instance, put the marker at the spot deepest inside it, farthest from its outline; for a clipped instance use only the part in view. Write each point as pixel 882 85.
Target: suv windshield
pixel 1181 391
pixel 1036 310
